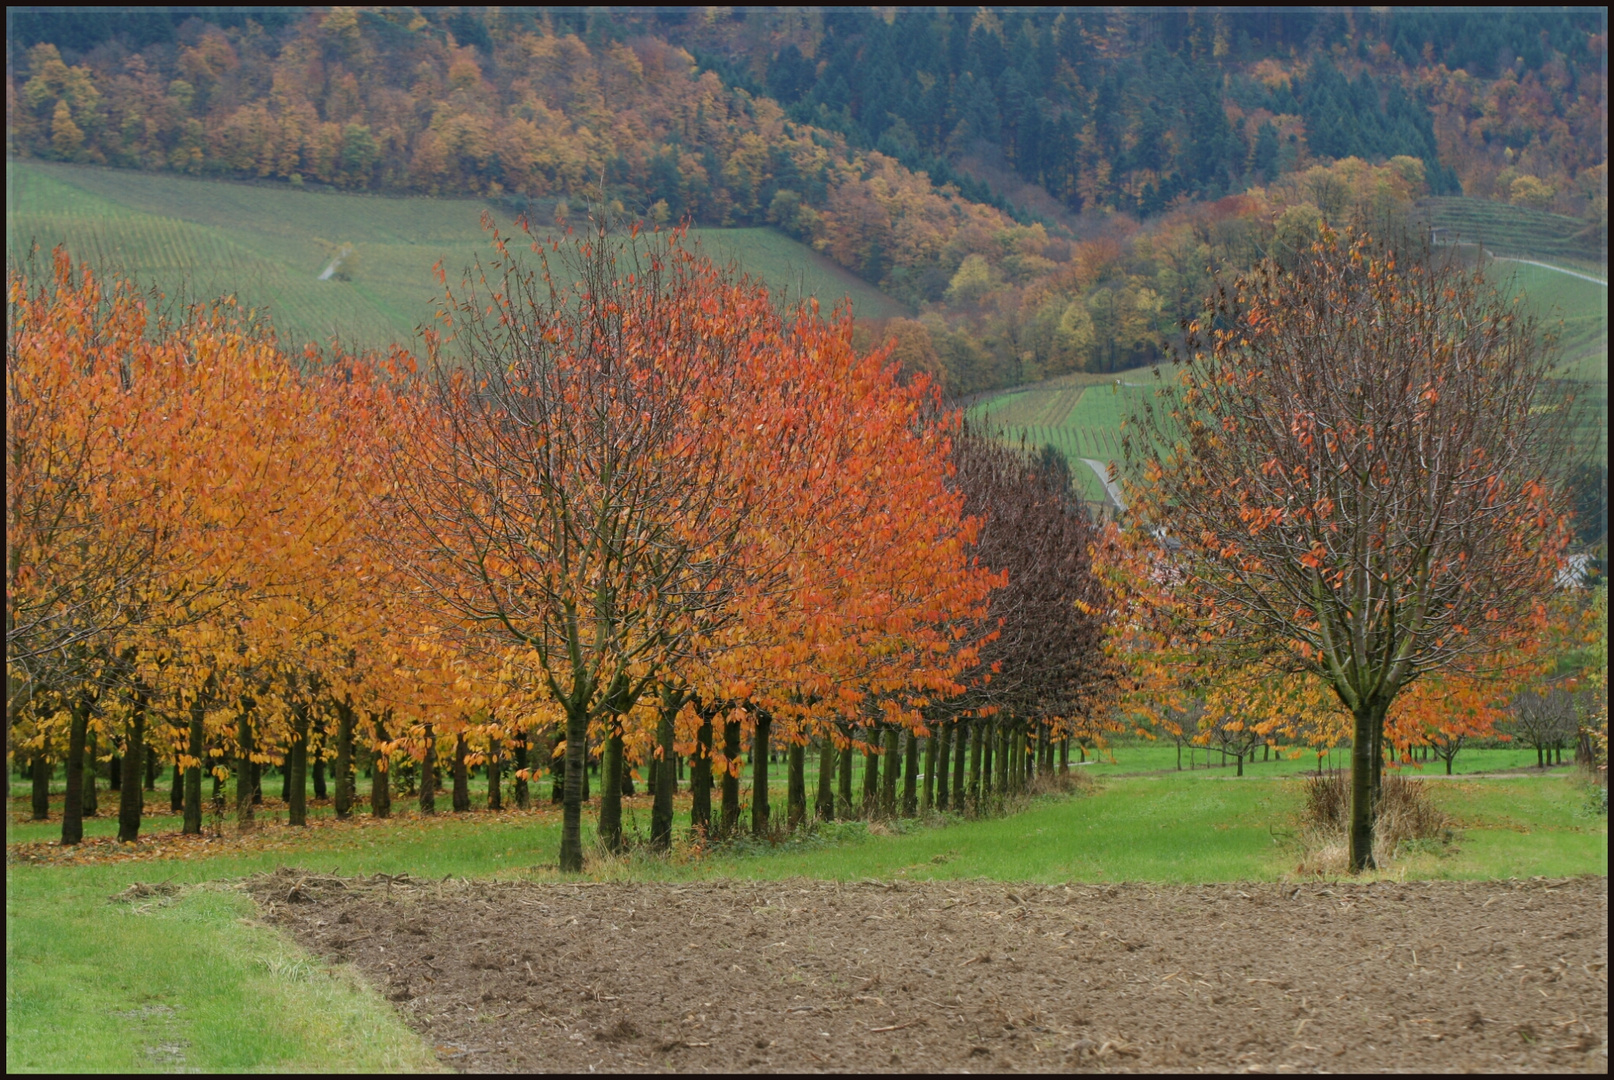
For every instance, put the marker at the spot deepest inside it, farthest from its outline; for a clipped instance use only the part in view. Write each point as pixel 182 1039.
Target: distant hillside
pixel 269 244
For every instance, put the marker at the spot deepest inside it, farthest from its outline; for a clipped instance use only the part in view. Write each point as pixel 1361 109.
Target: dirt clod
pixel 820 976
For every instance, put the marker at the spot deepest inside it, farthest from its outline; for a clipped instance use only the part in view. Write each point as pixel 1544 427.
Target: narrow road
pixel 1549 266
pixel 1103 472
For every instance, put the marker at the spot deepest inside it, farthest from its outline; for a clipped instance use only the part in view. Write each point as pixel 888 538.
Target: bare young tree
pixel 1545 719
pixel 1357 454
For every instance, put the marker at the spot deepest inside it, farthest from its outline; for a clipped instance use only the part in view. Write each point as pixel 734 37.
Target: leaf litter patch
pixel 931 976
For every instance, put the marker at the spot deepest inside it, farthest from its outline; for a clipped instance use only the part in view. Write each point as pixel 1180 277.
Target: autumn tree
pixel 565 490
pixel 1356 454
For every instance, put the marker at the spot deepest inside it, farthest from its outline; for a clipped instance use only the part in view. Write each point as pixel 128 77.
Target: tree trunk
pixel 114 772
pixel 131 797
pixel 571 828
pixel 1361 822
pixel 428 776
pixel 977 759
pixel 891 763
pixel 700 779
pixel 610 828
pixel 523 798
pixel 153 766
pixel 824 804
pixel 342 804
pixel 193 772
pixel 1240 756
pixel 243 766
pixel 92 768
pixel 1064 755
pixel 495 773
pixel 462 777
pixel 664 775
pixel 297 808
pixel 961 736
pixel 942 740
pixel 42 770
pixel 928 798
pixel 380 773
pixel 73 803
pixel 796 785
pixel 988 749
pixel 760 823
pixel 871 775
pixel 843 798
pixel 910 775
pixel 731 778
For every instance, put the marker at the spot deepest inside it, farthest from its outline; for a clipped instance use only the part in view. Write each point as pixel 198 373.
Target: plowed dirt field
pixel 947 976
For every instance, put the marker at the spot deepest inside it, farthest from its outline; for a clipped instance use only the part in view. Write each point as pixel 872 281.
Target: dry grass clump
pixel 1407 820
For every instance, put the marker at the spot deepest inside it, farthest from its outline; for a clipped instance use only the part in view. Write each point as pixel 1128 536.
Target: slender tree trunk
pixel 942 739
pixel 131 797
pixel 796 787
pixel 243 766
pixel 760 823
pixel 153 767
pixel 871 774
pixel 910 775
pixel 610 829
pixel 114 772
pixel 1064 755
pixel 428 775
pixel 892 763
pixel 824 805
pixel 193 772
pixel 462 777
pixel 1361 825
pixel 928 798
pixel 589 764
pixel 495 771
pixel 297 807
pixel 843 803
pixel 342 804
pixel 523 799
pixel 42 770
pixel 700 779
pixel 664 775
pixel 1240 757
pixel 73 803
pixel 988 749
pixel 380 773
pixel 571 828
pixel 731 777
pixel 92 768
pixel 977 782
pixel 961 734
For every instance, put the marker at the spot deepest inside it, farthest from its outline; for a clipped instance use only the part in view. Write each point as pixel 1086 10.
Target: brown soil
pixel 808 975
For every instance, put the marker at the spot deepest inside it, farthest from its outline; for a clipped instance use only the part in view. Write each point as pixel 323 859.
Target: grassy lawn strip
pixel 182 983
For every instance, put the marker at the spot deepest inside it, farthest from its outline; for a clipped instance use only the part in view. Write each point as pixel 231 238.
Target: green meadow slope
pixel 269 243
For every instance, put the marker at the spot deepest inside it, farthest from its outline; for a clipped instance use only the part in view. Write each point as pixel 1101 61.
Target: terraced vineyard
pixel 268 244
pixel 1514 230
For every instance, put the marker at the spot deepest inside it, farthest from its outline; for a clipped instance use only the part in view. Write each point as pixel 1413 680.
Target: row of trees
pixel 628 504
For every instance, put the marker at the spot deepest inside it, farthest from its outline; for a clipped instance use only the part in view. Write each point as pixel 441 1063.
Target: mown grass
pixel 267 243
pixel 192 982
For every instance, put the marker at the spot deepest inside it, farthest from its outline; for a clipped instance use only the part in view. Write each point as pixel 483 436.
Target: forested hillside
pixel 1048 189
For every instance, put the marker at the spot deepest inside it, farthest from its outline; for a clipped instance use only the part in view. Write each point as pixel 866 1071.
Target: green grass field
pixel 268 244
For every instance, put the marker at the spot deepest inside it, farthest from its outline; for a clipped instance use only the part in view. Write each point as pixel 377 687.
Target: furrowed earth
pixel 946 976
